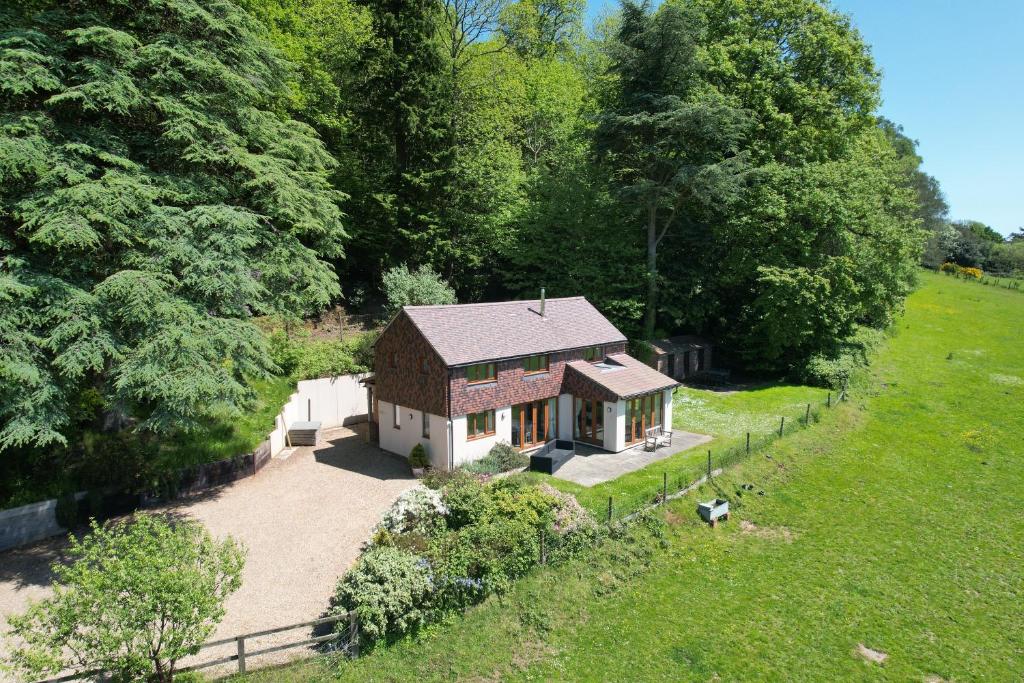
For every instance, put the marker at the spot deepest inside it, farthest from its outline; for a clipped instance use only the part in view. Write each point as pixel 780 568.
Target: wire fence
pixel 679 480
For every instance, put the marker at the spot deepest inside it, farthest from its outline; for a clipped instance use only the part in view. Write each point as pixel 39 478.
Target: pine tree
pixel 151 202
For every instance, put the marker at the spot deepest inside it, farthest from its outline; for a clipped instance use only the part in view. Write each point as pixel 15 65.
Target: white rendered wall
pixel 401 441
pixel 615 426
pixel 565 416
pixel 332 401
pixel 470 450
pixel 668 408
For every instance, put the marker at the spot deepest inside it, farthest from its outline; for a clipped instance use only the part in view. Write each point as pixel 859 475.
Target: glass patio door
pixel 533 424
pixel 588 420
pixel 642 413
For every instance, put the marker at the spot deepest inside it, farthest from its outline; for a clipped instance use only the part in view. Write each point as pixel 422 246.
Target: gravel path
pixel 302 519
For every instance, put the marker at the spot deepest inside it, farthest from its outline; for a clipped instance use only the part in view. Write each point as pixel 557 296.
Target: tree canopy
pixel 151 201
pixel 172 168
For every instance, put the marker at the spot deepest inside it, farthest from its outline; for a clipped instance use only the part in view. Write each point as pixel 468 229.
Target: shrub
pixel 502 457
pixel 138 596
pixel 516 499
pixel 303 358
pixel 483 558
pixel 834 369
pixel 417 510
pixel 465 499
pixel 403 287
pixel 389 589
pixel 418 457
pixel 574 528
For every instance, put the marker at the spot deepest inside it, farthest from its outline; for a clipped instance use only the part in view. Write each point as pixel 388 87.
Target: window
pixel 479 425
pixel 426 425
pixel 483 372
pixel 533 364
pixel 593 354
pixel 398 415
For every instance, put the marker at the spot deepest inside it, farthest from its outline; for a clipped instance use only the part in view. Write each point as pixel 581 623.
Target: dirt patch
pixel 772 533
pixel 869 655
pixel 935 679
pixel 672 519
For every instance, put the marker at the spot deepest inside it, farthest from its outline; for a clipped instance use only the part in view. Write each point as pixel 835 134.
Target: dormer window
pixel 593 354
pixel 535 364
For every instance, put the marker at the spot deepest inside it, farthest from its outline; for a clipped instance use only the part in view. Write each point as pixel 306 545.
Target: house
pixel 460 378
pixel 681 357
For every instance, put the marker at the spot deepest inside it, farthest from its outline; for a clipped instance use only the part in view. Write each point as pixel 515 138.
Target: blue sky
pixel 953 76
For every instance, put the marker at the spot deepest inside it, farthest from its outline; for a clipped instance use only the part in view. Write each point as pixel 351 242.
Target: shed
pixel 681 357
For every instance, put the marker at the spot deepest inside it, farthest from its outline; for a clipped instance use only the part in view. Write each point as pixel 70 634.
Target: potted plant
pixel 418 460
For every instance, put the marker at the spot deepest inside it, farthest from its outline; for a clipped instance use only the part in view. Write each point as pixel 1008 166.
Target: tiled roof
pixel 474 333
pixel 623 375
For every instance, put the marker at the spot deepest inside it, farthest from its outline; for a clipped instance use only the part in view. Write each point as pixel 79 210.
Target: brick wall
pixel 406 384
pixel 512 385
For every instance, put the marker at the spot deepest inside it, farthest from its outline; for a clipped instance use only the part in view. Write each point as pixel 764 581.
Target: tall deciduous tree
pixel 150 203
pixel 672 143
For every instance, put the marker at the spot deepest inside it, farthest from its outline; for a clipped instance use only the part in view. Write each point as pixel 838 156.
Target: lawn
pixel 726 415
pixel 895 524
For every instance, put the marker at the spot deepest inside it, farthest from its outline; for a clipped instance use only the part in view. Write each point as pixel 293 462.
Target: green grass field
pixel 896 523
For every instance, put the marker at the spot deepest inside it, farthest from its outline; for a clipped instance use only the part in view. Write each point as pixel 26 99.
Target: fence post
pixel 609 509
pixel 748 443
pixel 709 464
pixel 807 415
pixel 664 487
pixel 240 640
pixel 542 545
pixel 782 425
pixel 828 403
pixel 353 634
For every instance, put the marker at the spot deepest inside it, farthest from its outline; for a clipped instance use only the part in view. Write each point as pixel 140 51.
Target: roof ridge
pixel 495 303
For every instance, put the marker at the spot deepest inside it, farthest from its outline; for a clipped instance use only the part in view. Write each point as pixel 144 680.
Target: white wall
pixel 467 451
pixel 565 416
pixel 668 408
pixel 333 401
pixel 615 427
pixel 401 441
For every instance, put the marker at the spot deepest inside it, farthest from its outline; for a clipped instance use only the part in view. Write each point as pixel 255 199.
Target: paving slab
pixel 591 466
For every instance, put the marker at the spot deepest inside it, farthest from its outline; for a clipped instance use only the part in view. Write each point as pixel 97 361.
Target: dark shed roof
pixel 682 342
pixel 474 333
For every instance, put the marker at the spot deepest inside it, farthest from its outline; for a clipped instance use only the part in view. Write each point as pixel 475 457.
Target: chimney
pixel 542 302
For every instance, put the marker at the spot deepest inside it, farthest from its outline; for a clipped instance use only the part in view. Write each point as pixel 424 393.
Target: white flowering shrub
pixel 417 510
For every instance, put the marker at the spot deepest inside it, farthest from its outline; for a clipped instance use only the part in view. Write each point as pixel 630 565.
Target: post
pixel 664 487
pixel 353 634
pixel 309 410
pixel 609 509
pixel 240 640
pixel 782 425
pixel 748 443
pixel 542 545
pixel 828 403
pixel 807 415
pixel 709 464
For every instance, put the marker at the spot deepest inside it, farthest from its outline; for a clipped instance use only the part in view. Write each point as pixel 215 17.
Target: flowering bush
pixel 961 271
pixel 575 529
pixel 502 457
pixel 389 589
pixel 417 510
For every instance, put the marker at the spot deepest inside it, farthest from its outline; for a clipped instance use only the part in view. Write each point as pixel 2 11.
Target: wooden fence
pixel 347 642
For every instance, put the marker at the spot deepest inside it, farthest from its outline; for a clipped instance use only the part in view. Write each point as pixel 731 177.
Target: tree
pixel 151 202
pixel 138 596
pixel 422 287
pixel 672 145
pixel 398 135
pixel 540 28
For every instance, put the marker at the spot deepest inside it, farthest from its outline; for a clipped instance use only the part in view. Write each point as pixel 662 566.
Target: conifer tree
pixel 151 202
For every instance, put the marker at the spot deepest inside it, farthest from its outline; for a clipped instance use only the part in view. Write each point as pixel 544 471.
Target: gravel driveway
pixel 302 519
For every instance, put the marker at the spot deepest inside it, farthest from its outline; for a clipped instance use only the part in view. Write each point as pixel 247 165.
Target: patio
pixel 593 466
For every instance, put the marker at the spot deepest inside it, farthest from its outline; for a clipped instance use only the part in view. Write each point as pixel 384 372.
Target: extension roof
pixel 463 334
pixel 621 376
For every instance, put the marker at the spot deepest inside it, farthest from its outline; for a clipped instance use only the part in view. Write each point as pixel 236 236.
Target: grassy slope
pixel 906 533
pixel 725 416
